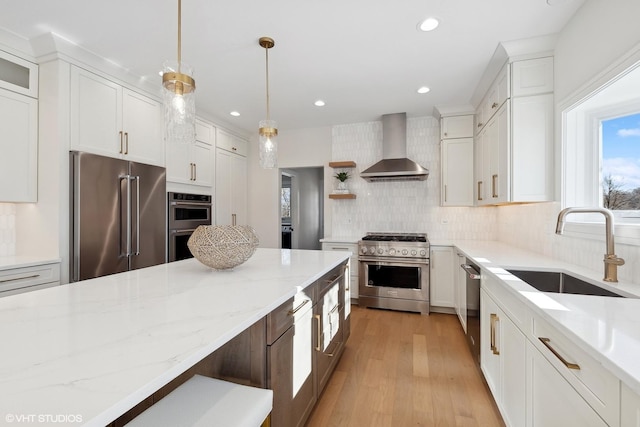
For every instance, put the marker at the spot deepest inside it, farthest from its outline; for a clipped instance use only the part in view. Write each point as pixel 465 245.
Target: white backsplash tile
pixel 409 206
pixel 7 229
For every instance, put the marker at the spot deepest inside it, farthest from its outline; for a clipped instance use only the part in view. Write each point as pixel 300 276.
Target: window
pixel 285 202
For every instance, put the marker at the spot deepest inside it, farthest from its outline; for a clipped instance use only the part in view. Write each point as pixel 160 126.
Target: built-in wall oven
pixel 185 213
pixel 394 271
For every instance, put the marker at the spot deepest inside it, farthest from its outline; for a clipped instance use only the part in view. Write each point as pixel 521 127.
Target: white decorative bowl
pixel 223 246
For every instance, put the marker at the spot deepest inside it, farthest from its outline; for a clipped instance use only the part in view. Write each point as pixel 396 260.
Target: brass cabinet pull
pixel 319 330
pixel 121 141
pixel 480 125
pixel 494 180
pixel 233 219
pixel 20 278
pixel 479 190
pixel 494 105
pixel 547 343
pixel 295 310
pixel 494 319
pixel 195 171
pixel 445 192
pixel 126 143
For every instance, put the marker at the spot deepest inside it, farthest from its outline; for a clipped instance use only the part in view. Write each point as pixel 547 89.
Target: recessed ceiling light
pixel 234 113
pixel 319 103
pixel 423 89
pixel 429 24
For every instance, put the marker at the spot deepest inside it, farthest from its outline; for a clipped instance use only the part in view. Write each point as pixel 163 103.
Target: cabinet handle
pixel 333 248
pixel 494 320
pixel 126 143
pixel 494 105
pixel 480 125
pixel 445 192
pixel 234 149
pixel 318 330
pixel 195 171
pixel 295 310
pixel 191 166
pixel 121 142
pixel 494 180
pixel 479 190
pixel 547 343
pixel 445 134
pixel 19 278
pixel 233 219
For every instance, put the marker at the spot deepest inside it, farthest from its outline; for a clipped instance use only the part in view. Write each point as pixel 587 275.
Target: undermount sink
pixel 553 281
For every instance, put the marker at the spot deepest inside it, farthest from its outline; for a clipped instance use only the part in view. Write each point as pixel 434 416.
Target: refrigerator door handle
pixel 137 179
pixel 127 197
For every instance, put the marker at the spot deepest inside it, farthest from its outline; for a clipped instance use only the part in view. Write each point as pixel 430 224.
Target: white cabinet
pixel 193 164
pixel 456 126
pixel 352 284
pixel 231 180
pixel 19 147
pixel 552 400
pixel 502 359
pixel 441 284
pixel 25 279
pixel 110 120
pixel 513 156
pixel 460 289
pixel 18 75
pixel 629 407
pixel 457 172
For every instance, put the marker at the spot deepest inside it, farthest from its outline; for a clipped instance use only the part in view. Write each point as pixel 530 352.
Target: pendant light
pixel 178 96
pixel 268 130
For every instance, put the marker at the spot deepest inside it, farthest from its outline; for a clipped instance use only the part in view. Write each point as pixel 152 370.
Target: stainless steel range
pixel 394 271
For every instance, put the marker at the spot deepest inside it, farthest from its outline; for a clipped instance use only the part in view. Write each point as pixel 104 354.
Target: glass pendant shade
pixel 268 144
pixel 179 102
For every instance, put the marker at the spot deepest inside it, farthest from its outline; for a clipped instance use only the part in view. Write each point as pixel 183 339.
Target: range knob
pixel 423 253
pixel 392 251
pixel 414 252
pixel 372 251
pixel 363 250
pixel 404 252
pixel 380 251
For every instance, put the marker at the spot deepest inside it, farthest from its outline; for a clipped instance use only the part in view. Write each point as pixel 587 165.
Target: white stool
pixel 207 402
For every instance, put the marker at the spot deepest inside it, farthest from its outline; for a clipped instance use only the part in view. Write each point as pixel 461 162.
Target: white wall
pixel 296 148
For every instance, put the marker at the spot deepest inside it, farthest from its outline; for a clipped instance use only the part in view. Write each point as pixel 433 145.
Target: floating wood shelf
pixel 347 164
pixel 342 196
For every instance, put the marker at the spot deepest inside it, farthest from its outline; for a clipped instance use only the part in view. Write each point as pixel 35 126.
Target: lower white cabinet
pixel 629 407
pixel 26 279
pixel 19 147
pixel 502 359
pixel 441 282
pixel 552 400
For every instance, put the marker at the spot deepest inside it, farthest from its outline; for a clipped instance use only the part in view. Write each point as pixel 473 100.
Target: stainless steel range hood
pixel 395 166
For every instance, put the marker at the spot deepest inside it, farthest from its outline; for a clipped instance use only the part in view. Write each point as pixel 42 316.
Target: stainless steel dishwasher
pixel 473 307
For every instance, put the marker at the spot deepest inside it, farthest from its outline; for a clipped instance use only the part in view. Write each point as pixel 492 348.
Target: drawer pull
pixel 319 335
pixel 547 343
pixel 494 347
pixel 19 278
pixel 295 310
pixel 333 248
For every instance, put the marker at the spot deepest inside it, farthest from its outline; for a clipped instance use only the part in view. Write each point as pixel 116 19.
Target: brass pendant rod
pixel 179 35
pixel 267 74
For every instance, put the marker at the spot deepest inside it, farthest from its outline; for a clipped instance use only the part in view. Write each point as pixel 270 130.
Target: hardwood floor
pixel 405 369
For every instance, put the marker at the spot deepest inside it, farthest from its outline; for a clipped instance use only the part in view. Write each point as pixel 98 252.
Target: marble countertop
pixel 10 262
pixel 607 328
pixel 96 348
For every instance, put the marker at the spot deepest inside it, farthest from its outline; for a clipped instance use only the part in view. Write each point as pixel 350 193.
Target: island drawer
pixel 283 317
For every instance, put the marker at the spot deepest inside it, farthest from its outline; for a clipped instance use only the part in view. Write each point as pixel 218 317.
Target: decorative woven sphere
pixel 223 246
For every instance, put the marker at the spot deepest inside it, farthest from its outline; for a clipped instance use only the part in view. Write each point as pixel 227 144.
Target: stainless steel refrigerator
pixel 118 215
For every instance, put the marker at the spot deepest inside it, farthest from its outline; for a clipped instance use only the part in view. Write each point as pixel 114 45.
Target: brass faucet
pixel 611 260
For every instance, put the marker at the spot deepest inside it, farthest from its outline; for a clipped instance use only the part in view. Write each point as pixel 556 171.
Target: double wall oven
pixel 185 212
pixel 394 271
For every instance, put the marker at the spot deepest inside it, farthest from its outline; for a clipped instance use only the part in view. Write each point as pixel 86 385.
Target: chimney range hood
pixel 394 166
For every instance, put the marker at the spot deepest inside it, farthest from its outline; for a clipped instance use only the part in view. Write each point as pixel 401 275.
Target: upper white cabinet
pixel 19 147
pixel 514 141
pixel 18 75
pixel 456 157
pixel 111 120
pixel 231 179
pixel 193 164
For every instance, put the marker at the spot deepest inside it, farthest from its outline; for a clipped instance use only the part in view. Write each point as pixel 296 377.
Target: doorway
pixel 302 207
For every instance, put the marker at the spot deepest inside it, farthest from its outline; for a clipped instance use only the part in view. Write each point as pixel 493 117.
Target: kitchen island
pixel 87 352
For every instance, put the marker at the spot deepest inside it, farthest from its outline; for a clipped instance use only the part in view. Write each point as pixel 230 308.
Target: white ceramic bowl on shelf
pixel 223 247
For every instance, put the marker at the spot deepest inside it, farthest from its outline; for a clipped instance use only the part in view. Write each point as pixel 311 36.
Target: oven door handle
pixel 473 274
pixel 184 230
pixel 197 204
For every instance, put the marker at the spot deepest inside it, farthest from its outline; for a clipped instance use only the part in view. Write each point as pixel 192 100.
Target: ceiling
pixel 364 58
